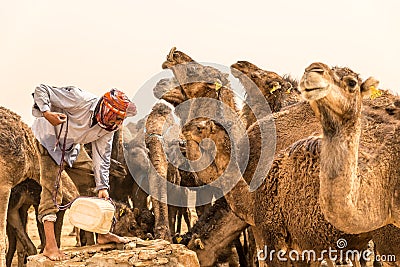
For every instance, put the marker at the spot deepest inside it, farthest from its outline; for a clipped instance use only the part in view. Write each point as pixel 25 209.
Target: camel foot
pixel 55 255
pixel 111 238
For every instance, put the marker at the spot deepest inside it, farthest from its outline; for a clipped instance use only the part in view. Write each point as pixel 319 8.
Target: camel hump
pixel 17 146
pixel 11 133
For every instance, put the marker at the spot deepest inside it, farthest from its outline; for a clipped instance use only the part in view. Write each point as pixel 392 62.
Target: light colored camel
pixel 359 177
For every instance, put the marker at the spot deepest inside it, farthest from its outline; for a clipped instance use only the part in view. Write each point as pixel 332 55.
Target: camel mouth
pixel 166 65
pixel 313 89
pixel 314 93
pixel 173 97
pixel 317 70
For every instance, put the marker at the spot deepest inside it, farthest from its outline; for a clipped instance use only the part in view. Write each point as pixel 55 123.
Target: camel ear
pixel 213 127
pixel 370 88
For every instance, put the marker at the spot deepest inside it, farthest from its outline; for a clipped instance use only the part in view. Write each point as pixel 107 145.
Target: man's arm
pixel 101 155
pixel 63 98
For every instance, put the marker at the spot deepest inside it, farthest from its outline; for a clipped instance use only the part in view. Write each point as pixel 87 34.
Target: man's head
pixel 114 107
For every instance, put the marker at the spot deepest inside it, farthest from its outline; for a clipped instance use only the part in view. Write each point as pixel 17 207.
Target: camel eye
pixel 352 83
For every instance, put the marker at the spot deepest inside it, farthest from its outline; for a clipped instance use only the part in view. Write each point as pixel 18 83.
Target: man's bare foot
pixel 54 255
pixel 111 238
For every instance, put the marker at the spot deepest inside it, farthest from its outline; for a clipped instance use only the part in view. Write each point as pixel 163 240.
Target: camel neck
pixel 344 199
pixel 239 198
pixel 236 190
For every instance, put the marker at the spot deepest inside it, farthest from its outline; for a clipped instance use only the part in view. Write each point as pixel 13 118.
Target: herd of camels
pixel 328 173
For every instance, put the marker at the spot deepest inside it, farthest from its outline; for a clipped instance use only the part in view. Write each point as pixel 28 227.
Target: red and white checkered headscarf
pixel 114 107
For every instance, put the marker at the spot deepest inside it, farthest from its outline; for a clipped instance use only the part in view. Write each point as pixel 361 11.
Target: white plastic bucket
pixel 92 214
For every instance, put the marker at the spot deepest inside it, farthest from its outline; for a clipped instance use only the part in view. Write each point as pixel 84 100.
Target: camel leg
pixel 186 217
pixel 40 228
pixel 172 212
pixel 240 252
pixel 5 191
pixel 17 223
pixel 89 237
pixel 12 245
pixel 24 251
pixel 22 254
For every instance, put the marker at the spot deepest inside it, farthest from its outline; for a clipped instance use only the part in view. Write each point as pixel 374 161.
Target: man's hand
pixel 103 193
pixel 55 118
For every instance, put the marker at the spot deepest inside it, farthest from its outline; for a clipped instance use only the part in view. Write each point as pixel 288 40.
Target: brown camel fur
pixel 192 81
pixel 197 81
pixel 155 124
pixel 358 177
pixel 278 91
pixel 297 151
pixel 299 117
pixel 273 221
pixel 19 160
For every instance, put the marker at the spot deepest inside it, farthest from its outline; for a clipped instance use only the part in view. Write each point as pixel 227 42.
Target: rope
pixel 60 170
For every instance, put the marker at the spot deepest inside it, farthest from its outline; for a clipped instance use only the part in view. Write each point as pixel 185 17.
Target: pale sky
pixel 97 44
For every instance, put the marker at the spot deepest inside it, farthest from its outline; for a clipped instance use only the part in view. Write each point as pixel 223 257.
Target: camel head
pixel 207 141
pixel 278 91
pixel 267 81
pixel 195 80
pixel 169 90
pixel 335 93
pixel 199 81
pixel 244 67
pixel 176 57
pixel 127 221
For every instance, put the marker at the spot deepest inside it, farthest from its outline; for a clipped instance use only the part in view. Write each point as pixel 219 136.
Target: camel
pixel 19 160
pixel 175 93
pixel 357 180
pixel 176 60
pixel 299 117
pixel 278 91
pixel 275 192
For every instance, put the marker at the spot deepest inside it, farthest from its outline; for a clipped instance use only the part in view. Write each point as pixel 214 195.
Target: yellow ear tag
pixel 288 91
pixel 121 212
pixel 217 86
pixel 276 87
pixel 375 93
pixel 179 239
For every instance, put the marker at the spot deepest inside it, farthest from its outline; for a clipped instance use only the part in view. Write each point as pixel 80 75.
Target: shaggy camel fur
pixel 189 83
pixel 358 159
pixel 284 228
pixel 19 160
pixel 299 117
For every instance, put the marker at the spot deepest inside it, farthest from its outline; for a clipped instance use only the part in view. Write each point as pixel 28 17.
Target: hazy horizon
pixel 97 45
